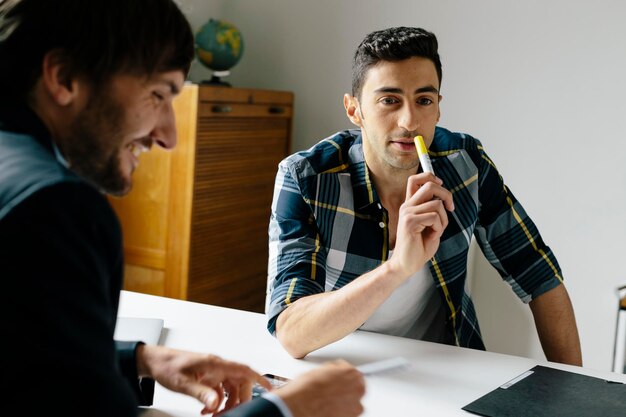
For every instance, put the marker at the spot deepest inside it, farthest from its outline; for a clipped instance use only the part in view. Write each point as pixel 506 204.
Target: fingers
pixel 234 373
pixel 233 396
pixel 263 382
pixel 425 187
pixel 415 218
pixel 237 394
pixel 341 370
pixel 237 384
pixel 245 374
pixel 245 391
pixel 416 181
pixel 421 222
pixel 217 383
pixel 431 214
pixel 207 396
pixel 334 389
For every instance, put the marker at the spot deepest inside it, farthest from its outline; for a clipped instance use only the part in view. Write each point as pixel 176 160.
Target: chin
pixel 117 185
pixel 118 191
pixel 126 185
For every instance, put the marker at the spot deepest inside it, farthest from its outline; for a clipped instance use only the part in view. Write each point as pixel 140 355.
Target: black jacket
pixel 61 267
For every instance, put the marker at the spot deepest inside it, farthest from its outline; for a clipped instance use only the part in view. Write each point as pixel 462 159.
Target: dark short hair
pixel 99 38
pixel 393 44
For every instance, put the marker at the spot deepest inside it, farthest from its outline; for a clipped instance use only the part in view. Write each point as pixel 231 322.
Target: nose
pixel 164 133
pixel 408 118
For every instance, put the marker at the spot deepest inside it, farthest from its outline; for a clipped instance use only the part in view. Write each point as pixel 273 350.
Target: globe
pixel 219 47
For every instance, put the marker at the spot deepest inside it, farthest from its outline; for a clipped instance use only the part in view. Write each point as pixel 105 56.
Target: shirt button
pixel 379 206
pixel 382 225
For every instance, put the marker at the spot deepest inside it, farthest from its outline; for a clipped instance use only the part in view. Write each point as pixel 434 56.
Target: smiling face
pixel 120 122
pixel 399 100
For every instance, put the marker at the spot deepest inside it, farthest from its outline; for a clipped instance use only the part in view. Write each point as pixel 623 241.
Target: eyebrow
pixel 395 90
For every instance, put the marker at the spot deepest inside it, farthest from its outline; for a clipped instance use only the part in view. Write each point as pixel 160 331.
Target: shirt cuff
pixel 278 402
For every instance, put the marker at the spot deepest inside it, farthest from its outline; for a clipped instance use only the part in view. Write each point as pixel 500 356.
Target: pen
pixel 422 152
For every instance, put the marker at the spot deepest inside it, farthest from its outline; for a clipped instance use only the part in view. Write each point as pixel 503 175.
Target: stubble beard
pixel 93 149
pixel 396 162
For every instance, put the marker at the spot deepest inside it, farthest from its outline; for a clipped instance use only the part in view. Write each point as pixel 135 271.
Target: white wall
pixel 542 84
pixel 198 12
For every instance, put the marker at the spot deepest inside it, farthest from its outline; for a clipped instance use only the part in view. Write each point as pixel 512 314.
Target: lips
pixel 137 149
pixel 404 145
pixel 140 146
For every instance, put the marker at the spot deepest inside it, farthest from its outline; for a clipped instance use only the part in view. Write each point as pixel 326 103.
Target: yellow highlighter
pixel 422 152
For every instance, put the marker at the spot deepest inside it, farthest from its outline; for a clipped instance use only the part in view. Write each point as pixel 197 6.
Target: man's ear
pixel 352 109
pixel 57 79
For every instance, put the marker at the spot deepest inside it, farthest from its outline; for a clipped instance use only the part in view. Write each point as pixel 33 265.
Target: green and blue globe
pixel 219 45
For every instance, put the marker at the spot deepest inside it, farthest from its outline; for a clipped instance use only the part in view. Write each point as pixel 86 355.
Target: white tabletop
pixel 439 381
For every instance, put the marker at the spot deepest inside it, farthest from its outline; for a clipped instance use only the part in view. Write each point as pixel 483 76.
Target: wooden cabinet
pixel 195 223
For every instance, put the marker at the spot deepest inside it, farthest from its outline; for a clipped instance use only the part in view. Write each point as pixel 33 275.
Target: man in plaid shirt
pixel 361 238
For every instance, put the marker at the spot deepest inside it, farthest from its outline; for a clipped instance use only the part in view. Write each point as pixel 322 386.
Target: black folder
pixel 543 391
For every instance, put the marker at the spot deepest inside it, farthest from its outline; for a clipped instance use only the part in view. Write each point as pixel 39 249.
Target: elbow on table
pixel 290 333
pixel 291 339
pixel 291 345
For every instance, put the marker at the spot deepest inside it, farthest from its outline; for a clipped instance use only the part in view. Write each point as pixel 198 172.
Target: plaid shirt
pixel 328 227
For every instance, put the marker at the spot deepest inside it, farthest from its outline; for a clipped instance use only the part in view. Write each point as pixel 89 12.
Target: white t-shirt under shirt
pixel 413 310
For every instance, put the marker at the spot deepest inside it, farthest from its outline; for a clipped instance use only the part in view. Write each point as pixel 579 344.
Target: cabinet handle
pixel 276 110
pixel 221 109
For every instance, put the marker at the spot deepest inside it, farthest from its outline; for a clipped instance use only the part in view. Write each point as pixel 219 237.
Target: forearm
pixel 317 320
pixel 556 326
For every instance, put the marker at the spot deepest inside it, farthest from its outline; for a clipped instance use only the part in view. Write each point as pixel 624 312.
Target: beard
pixel 400 164
pixel 94 144
pixel 376 148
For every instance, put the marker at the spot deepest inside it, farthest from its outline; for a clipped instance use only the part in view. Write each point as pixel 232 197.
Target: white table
pixel 440 380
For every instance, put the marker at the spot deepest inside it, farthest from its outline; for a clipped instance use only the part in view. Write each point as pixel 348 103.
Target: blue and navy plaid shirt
pixel 328 227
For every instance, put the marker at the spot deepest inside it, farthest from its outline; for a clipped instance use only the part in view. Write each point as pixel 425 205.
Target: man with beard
pixel 86 87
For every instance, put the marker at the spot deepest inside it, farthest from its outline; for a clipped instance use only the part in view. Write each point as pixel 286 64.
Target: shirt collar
pixel 364 191
pixel 19 118
pixel 59 156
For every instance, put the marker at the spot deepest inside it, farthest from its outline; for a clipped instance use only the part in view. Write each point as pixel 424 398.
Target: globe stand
pixel 216 79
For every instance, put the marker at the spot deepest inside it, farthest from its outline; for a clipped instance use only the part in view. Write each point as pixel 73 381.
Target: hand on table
pixel 334 389
pixel 208 378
